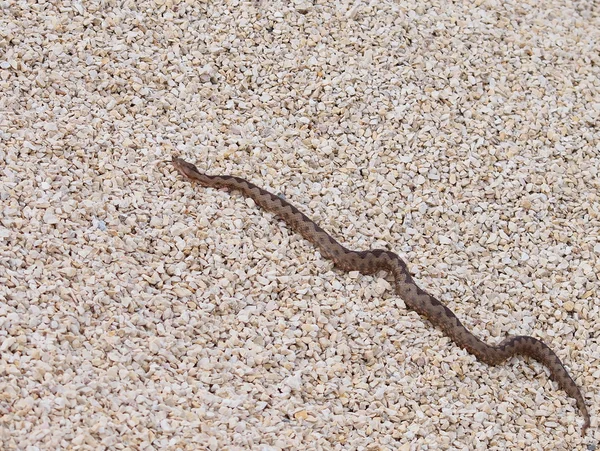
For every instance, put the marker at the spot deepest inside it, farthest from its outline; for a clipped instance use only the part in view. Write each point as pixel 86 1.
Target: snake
pixel 415 298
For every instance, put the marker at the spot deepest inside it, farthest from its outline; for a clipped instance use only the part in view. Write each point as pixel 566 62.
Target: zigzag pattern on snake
pixel 372 261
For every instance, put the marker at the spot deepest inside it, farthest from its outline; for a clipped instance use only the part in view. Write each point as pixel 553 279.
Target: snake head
pixel 186 169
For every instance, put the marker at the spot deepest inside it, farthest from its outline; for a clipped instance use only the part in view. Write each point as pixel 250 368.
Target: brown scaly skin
pixel 369 262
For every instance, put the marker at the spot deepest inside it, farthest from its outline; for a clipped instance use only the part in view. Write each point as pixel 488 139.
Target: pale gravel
pixel 140 312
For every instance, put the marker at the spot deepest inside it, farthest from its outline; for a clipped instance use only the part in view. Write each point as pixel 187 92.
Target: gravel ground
pixel 140 312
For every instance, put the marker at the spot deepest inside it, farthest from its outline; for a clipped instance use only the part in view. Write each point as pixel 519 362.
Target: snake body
pixel 372 261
